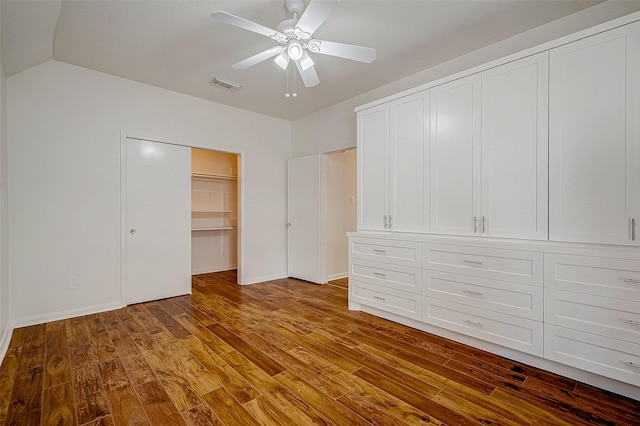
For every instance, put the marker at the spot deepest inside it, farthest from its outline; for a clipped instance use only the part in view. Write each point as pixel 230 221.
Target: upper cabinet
pixel 489 152
pixel 455 156
pixel 515 149
pixel 393 149
pixel 594 139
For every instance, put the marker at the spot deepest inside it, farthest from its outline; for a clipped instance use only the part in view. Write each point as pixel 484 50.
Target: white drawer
pixel 387 299
pixel 615 318
pixel 508 265
pixel 598 354
pixel 517 333
pixel 405 253
pixel 499 296
pixel 602 276
pixel 405 278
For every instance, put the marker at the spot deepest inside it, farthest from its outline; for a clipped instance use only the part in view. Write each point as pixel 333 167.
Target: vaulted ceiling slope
pixel 176 45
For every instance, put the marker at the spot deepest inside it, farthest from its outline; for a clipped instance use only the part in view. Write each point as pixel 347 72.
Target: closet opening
pixel 214 214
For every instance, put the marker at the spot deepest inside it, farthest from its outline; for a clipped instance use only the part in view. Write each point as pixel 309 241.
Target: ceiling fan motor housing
pixel 295 7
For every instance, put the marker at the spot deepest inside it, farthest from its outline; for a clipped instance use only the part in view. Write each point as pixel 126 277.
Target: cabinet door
pixel 514 149
pixel 373 167
pixel 594 138
pixel 455 156
pixel 409 164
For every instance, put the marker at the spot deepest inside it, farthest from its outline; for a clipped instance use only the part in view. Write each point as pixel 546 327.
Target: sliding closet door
pixel 158 220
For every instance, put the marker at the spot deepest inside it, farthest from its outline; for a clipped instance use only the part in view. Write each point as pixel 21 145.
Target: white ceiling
pixel 176 45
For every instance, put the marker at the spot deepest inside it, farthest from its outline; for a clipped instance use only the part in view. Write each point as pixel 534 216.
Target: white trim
pixel 209 270
pixel 264 278
pixel 60 315
pixel 338 276
pixel 509 58
pixel 4 342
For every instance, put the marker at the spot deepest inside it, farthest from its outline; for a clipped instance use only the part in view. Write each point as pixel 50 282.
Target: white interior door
pixel 158 220
pixel 305 212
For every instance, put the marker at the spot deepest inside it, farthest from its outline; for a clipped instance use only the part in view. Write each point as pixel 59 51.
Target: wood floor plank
pixel 197 375
pixel 32 353
pixel 371 412
pixel 413 398
pixel 102 345
pixel 25 407
pixel 200 415
pixel 264 362
pixel 103 421
pixel 11 359
pixel 138 369
pixel 267 413
pixel 124 402
pixel 158 406
pixel 227 409
pixel 58 405
pixel 200 331
pixel 57 364
pixel 335 411
pixel 91 399
pixel 167 321
pixel 7 380
pixel 170 374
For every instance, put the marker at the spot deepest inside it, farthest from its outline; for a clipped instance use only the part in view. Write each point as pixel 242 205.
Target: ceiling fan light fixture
pixel 294 50
pixel 282 60
pixel 306 62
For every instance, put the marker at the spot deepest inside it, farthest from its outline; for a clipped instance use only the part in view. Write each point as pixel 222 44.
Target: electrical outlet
pixel 72 283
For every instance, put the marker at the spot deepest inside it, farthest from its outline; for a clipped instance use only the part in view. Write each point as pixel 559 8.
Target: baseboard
pixel 263 278
pixel 209 270
pixel 56 316
pixel 5 339
pixel 337 276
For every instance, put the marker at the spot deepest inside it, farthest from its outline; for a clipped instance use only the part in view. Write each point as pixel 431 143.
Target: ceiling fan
pixel 295 38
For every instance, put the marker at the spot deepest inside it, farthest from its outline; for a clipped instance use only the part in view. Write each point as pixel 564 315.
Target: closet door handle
pixel 390 221
pixel 132 231
pixel 475 224
pixel 379 274
pixel 382 299
pixel 378 251
pixel 477 324
pixel 632 322
pixel 632 365
pixel 474 293
pixel 633 229
pixel 472 262
pixel 631 280
pixel 484 224
pixel 386 219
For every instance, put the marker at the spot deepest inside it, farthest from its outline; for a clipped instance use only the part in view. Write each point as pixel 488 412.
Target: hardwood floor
pixel 283 352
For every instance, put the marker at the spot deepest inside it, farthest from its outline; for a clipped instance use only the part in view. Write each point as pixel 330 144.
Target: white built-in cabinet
pixel 594 145
pixel 489 152
pixel 540 156
pixel 393 163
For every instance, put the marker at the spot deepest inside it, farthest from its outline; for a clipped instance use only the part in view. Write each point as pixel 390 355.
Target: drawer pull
pixel 379 274
pixel 472 262
pixel 632 322
pixel 379 251
pixel 475 293
pixel 477 324
pixel 631 280
pixel 632 365
pixel 382 299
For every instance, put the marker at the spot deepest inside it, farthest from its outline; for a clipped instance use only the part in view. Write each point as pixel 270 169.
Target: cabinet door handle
pixel 386 223
pixel 382 299
pixel 632 365
pixel 631 322
pixel 484 224
pixel 379 251
pixel 477 324
pixel 475 224
pixel 633 229
pixel 379 274
pixel 475 293
pixel 390 221
pixel 631 280
pixel 472 262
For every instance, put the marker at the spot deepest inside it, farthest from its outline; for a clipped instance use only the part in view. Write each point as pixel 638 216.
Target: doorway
pixel 214 211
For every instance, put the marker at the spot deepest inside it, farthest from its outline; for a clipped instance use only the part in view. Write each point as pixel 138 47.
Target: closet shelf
pixel 211 211
pixel 213 228
pixel 203 176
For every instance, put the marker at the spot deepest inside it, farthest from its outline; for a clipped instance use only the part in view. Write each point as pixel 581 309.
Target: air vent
pixel 225 84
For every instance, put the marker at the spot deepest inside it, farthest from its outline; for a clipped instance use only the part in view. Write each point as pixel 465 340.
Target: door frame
pixel 124 135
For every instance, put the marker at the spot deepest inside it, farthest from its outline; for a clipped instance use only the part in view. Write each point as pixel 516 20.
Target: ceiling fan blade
pixel 315 14
pixel 257 58
pixel 309 76
pixel 342 50
pixel 239 22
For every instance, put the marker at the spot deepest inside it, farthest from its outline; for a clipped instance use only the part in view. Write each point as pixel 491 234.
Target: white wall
pixel 64 165
pixel 341 211
pixel 335 127
pixel 4 225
